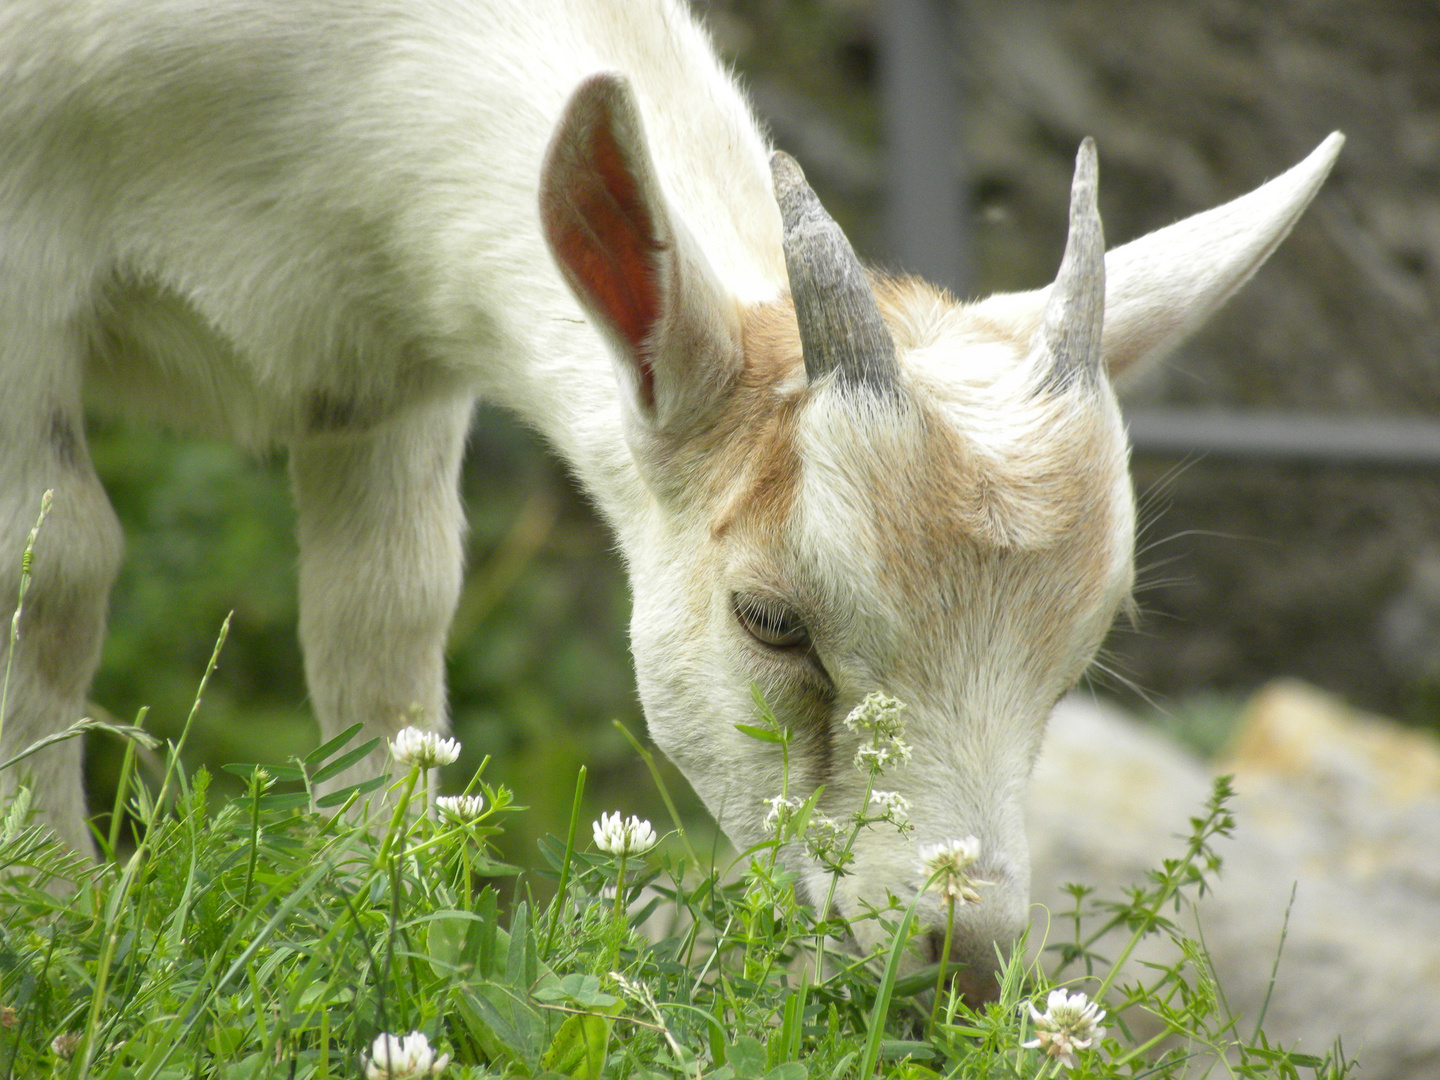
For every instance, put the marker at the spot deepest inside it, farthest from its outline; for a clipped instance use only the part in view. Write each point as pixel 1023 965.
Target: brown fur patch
pixel 960 521
pixel 755 468
pixel 972 538
pixel 947 521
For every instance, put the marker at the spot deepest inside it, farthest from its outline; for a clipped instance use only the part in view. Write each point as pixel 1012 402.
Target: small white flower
pixel 946 867
pixel 1070 1022
pixel 782 811
pixel 409 1058
pixel 413 746
pixel 873 758
pixel 878 721
pixel 879 714
pixel 64 1046
pixel 462 807
pixel 894 807
pixel 827 841
pixel 630 837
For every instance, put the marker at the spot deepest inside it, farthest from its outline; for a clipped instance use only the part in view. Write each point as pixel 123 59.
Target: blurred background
pixel 1303 561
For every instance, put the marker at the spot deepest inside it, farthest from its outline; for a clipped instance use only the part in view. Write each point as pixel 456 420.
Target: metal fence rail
pixel 1293 438
pixel 927 227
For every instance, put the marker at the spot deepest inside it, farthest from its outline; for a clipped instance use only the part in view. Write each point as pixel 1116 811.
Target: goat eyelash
pixel 771 624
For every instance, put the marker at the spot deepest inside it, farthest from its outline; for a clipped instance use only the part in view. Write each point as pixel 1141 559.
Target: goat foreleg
pixel 380 529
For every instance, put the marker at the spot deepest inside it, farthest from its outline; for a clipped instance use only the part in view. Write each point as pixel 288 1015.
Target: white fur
pixel 315 225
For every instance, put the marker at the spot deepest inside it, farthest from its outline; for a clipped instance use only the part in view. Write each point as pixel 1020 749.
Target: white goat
pixel 334 225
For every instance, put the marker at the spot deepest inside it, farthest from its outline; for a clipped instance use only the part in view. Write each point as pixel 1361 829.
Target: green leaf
pixel 746 1056
pixel 917 982
pixel 874 1036
pixel 251 1067
pixel 284 800
pixel 324 750
pixel 227 1041
pixel 475 1014
pixel 763 708
pixel 323 993
pixel 910 1070
pixel 576 989
pixel 16 815
pixel 343 762
pixel 337 798
pixel 504 1022
pixel 760 733
pixel 451 941
pixel 895 1049
pixel 578 1049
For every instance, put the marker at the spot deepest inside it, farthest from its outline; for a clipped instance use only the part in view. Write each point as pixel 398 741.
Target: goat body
pixel 335 225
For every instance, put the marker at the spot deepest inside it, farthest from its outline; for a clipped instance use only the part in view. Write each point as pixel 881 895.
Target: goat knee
pixel 57 641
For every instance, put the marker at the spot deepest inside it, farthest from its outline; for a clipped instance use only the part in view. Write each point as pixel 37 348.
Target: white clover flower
pixel 1070 1022
pixel 630 837
pixel 413 746
pixel 946 867
pixel 878 714
pixel 408 1058
pixel 462 807
pixel 63 1046
pixel 782 811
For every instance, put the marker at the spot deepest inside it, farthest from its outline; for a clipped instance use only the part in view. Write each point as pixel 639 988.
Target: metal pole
pixel 1292 438
pixel 927 211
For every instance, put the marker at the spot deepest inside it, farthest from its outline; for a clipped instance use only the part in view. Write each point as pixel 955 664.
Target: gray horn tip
pixel 841 328
pixel 1085 187
pixel 785 169
pixel 787 176
pixel 1074 315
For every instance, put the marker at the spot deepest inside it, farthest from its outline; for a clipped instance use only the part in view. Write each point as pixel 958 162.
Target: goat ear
pixel 1162 286
pixel 634 268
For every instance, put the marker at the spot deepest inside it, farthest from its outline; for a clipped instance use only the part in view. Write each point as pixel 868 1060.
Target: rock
pixel 1348 794
pixel 1342 808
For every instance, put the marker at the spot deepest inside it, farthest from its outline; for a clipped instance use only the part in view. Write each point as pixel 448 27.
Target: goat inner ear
pixel 672 326
pixel 596 208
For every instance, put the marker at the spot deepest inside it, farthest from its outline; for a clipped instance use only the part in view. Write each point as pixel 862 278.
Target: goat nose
pixel 972 970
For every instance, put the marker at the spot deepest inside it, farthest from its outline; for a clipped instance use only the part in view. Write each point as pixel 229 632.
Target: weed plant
pixel 301 932
pixel 282 934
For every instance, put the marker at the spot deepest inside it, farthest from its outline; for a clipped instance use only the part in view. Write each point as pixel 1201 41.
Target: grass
pixel 282 933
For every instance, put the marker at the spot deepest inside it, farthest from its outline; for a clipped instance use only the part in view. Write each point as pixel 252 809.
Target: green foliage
pixel 280 933
pixel 1205 723
pixel 538 658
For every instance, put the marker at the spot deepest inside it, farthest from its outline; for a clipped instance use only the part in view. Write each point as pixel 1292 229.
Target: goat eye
pixel 770 623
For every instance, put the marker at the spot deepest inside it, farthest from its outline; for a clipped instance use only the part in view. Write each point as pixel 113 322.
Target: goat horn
pixel 1075 311
pixel 840 325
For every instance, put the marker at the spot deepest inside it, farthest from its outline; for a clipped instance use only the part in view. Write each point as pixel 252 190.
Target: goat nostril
pixel 976 988
pixel 934 944
pixel 976 983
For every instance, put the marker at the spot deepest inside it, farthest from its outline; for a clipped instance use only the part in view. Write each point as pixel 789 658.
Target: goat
pixel 333 226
